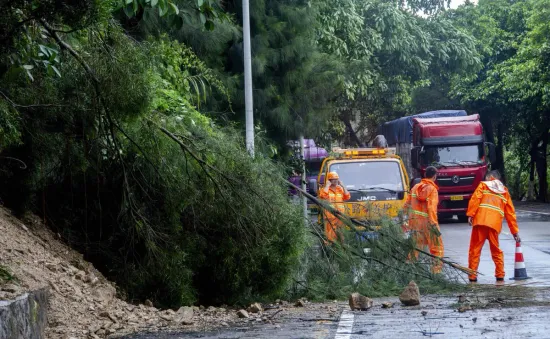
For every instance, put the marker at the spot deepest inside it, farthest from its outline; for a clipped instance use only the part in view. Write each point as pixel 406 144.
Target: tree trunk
pixel 500 151
pixel 353 138
pixel 542 168
pixel 531 185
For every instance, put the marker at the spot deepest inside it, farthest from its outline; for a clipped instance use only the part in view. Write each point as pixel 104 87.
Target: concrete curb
pixel 25 316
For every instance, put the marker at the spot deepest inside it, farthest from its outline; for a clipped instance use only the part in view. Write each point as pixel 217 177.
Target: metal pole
pixel 303 185
pixel 248 80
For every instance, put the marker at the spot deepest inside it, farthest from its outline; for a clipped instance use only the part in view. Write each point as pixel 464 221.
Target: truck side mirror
pixel 415 157
pixel 313 188
pixel 492 152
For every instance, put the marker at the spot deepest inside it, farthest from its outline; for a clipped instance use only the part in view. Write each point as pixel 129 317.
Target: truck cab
pixel 376 179
pixel 455 146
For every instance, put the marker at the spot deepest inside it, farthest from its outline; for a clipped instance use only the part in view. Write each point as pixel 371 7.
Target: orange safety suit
pixel 335 196
pixel 422 223
pixel 489 205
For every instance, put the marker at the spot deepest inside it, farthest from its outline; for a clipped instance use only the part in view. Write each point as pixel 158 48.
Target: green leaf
pixel 175 8
pixel 154 3
pixel 199 3
pixel 28 67
pixel 129 2
pixel 203 18
pixel 209 25
pixel 56 71
pixel 129 11
pixel 162 9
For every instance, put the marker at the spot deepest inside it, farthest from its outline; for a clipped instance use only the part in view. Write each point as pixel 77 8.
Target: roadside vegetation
pixel 121 127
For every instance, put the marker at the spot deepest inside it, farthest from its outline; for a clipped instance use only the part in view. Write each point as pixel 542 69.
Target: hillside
pixel 83 304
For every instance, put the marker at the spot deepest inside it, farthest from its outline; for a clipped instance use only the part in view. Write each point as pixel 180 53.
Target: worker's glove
pixel 516 237
pixel 470 220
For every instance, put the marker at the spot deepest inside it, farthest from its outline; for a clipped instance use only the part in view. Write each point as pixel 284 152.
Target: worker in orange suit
pixel 489 205
pixel 334 192
pixel 422 222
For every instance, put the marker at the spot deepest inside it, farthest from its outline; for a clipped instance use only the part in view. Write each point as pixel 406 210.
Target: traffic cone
pixel 520 273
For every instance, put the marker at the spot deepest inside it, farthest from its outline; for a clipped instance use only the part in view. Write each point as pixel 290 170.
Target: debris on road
pixel 243 314
pixel 424 313
pixel 360 302
pixel 301 303
pixel 387 305
pixel 184 315
pixel 255 308
pixel 410 295
pixel 465 308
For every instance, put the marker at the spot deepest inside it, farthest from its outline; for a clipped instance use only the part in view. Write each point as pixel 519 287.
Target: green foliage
pixel 159 197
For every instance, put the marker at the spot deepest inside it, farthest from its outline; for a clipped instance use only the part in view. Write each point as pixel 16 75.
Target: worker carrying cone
pixel 489 205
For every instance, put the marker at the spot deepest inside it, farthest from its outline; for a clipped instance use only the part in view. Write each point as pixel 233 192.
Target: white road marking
pixel 345 325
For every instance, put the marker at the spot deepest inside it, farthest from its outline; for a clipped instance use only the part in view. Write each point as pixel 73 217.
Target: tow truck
pixel 376 179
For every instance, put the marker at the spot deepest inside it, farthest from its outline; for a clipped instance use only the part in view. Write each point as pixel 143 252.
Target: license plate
pixel 457 197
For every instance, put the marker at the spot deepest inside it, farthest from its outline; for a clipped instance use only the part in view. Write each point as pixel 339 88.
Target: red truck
pixel 453 142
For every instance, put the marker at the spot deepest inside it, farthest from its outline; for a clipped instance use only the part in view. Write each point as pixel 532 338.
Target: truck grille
pixel 455 181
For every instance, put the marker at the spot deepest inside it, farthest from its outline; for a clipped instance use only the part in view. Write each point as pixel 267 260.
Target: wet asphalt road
pixel 534 230
pixel 439 320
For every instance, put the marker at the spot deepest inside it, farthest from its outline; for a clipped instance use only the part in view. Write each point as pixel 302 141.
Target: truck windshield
pixel 453 155
pixel 369 175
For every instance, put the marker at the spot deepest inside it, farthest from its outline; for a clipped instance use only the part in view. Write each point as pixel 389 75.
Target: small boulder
pixel 243 314
pixel 148 303
pixel 360 302
pixel 387 305
pixel 410 295
pixel 300 303
pixel 11 288
pixel 255 308
pixel 184 315
pixel 52 267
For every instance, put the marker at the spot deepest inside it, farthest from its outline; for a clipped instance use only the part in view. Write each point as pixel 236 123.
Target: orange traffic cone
pixel 520 273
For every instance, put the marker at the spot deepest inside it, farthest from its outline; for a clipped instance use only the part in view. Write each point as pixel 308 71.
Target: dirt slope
pixel 83 304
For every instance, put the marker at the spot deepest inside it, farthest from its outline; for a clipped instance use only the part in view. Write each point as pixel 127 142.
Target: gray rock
pixel 148 303
pixel 243 314
pixel 410 295
pixel 51 267
pixel 255 308
pixel 184 315
pixel 360 302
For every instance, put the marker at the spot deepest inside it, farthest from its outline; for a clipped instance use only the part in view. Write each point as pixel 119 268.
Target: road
pixel 437 316
pixel 535 234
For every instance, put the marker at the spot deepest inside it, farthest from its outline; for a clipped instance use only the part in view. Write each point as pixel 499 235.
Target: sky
pixel 456 3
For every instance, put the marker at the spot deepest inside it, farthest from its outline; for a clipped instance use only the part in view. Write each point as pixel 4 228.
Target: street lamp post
pixel 248 80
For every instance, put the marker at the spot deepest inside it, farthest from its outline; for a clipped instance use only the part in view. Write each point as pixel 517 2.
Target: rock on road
pixel 437 316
